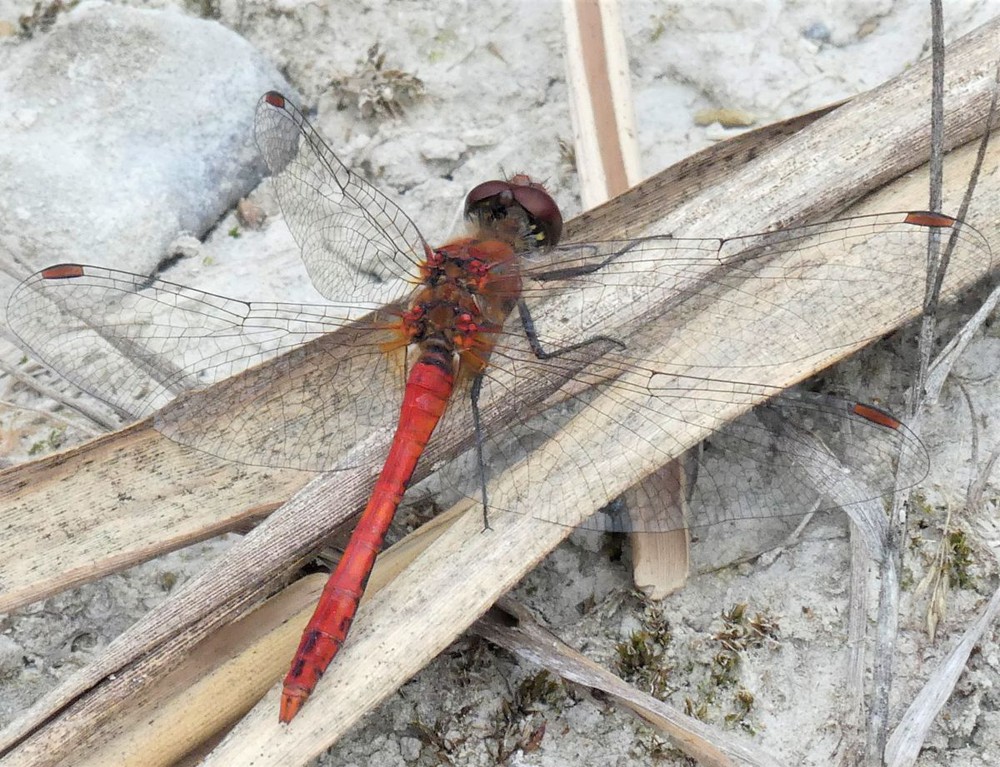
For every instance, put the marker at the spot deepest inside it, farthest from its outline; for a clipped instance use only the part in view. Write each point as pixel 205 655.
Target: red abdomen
pixel 428 388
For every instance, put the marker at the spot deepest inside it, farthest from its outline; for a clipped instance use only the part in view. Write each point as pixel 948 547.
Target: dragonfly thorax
pixel 458 264
pixel 443 317
pixel 468 288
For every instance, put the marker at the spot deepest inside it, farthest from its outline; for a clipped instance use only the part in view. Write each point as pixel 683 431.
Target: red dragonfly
pixel 447 314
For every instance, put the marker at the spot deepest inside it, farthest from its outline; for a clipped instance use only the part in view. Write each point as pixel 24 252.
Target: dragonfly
pixel 414 323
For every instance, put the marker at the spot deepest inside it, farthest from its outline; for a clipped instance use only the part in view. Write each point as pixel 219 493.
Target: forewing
pixel 356 243
pixel 137 343
pixel 609 288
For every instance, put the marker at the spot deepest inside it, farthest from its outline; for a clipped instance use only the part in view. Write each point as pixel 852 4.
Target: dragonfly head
pixel 519 200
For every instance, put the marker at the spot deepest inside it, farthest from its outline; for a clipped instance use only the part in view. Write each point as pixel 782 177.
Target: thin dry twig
pixel 910 734
pixel 941 367
pixel 513 628
pixel 851 747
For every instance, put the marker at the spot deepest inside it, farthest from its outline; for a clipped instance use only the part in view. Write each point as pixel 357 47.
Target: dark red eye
pixel 542 209
pixel 484 192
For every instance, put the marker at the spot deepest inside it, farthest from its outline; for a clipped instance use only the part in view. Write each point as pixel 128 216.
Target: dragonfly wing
pixel 137 343
pixel 356 243
pixel 315 407
pixel 874 264
pixel 797 451
pixel 809 451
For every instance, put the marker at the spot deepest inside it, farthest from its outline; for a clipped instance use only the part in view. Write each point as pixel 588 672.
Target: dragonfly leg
pixel 536 346
pixel 569 273
pixel 477 385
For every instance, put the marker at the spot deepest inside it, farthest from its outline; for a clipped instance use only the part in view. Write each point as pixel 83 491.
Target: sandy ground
pixel 478 119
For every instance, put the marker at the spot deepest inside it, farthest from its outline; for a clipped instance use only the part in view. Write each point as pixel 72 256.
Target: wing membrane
pixel 137 342
pixel 356 243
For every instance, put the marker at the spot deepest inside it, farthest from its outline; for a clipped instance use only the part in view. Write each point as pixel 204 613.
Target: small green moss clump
pixel 641 659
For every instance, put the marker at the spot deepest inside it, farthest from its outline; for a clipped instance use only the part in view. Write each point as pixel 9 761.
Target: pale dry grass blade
pixel 117 500
pixel 600 97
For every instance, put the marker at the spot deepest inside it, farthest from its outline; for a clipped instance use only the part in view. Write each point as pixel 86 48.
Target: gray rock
pixel 120 129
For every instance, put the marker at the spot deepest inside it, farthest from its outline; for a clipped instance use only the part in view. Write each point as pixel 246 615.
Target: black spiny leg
pixel 536 347
pixel 477 384
pixel 570 272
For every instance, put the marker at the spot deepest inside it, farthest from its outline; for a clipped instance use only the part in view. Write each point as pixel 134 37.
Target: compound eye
pixel 484 194
pixel 542 210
